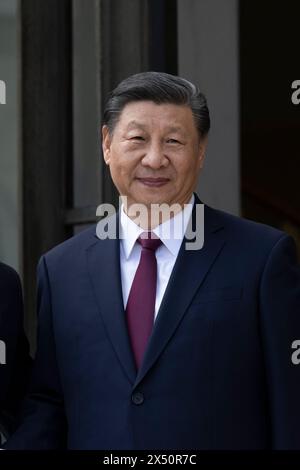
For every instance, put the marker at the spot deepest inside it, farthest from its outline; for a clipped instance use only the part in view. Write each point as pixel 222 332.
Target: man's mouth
pixel 154 182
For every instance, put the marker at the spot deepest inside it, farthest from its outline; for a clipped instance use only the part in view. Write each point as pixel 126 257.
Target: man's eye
pixel 137 137
pixel 173 141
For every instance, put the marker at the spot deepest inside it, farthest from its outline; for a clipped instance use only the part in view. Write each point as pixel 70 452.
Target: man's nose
pixel 155 157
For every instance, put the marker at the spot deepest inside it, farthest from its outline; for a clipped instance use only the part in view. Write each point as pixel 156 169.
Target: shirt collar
pixel 171 232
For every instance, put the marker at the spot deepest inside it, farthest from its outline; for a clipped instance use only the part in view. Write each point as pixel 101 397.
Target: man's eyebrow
pixel 134 125
pixel 139 125
pixel 175 129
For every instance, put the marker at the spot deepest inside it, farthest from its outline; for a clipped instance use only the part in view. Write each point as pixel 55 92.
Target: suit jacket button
pixel 137 398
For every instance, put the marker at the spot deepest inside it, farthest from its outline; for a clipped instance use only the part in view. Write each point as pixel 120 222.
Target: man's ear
pixel 106 143
pixel 202 151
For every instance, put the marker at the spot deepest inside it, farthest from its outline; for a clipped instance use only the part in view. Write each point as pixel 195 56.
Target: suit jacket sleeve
pixel 43 424
pixel 280 327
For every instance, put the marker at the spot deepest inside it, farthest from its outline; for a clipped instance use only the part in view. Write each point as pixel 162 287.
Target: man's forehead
pixel 142 114
pixel 144 124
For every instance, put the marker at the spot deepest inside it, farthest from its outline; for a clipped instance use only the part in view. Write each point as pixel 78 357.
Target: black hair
pixel 160 88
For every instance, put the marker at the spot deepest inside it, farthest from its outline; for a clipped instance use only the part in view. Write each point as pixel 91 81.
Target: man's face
pixel 155 153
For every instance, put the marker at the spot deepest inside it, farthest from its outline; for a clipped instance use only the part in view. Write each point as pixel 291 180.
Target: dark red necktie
pixel 141 301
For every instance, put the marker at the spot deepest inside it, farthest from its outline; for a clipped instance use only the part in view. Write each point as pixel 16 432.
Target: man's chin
pixel 148 203
pixel 154 201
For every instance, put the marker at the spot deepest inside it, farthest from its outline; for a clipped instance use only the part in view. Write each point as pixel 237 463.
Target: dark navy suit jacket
pixel 14 373
pixel 217 373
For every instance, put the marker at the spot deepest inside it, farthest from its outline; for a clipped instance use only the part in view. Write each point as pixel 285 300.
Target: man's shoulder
pixel 74 245
pixel 242 229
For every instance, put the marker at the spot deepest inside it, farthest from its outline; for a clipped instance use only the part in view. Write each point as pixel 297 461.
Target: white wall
pixel 208 55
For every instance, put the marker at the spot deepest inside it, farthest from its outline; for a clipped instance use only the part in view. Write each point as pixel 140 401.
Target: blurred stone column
pixel 208 54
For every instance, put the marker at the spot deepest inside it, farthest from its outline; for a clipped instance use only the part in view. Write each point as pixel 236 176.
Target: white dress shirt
pixel 171 233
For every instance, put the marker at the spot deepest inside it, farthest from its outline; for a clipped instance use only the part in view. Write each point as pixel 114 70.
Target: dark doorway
pixel 270 122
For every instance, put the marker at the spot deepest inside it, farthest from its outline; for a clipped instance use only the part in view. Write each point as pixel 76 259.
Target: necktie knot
pixel 149 241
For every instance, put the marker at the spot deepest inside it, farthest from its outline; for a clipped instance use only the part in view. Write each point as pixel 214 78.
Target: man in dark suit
pixel 15 360
pixel 146 342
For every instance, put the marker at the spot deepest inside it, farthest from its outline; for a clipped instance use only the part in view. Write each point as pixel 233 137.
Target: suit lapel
pixel 188 274
pixel 104 269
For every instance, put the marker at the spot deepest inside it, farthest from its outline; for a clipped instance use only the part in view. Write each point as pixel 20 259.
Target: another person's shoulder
pixel 9 277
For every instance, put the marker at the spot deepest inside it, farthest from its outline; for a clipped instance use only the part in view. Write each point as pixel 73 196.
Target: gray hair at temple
pixel 160 88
